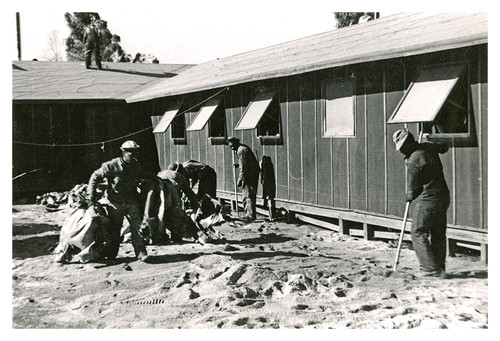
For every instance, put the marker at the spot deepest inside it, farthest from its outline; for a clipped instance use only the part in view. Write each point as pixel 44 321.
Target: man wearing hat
pixel 92 41
pixel 428 189
pixel 200 174
pixel 121 197
pixel 249 175
pixel 175 175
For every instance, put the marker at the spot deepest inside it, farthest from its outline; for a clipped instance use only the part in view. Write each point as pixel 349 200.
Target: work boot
pixel 143 257
pixel 247 219
pixel 433 274
pixel 61 258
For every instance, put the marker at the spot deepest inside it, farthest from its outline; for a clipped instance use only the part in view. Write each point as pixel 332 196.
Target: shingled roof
pixel 394 36
pixel 47 80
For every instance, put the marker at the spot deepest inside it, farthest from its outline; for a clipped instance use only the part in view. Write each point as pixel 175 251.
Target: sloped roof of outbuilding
pixel 47 80
pixel 394 36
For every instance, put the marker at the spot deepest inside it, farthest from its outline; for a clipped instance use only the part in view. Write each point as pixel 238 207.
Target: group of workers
pixel 122 199
pixel 426 187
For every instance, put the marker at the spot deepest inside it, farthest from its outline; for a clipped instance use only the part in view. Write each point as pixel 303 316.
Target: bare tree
pixel 55 49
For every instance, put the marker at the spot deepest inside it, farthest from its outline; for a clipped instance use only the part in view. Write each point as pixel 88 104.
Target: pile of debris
pixel 54 201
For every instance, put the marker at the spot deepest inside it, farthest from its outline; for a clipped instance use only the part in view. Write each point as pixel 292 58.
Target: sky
pixel 194 31
pixel 184 31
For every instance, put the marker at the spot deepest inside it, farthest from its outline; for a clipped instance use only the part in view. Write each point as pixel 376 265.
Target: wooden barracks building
pixel 324 109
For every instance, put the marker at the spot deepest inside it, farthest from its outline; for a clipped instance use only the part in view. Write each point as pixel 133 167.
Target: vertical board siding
pixel 21 129
pixel 226 154
pixel 375 138
pixel 396 185
pixel 281 163
pixel 483 87
pixel 357 153
pixel 295 142
pixel 323 147
pixel 365 172
pixel 308 99
pixel 468 184
pixel 340 177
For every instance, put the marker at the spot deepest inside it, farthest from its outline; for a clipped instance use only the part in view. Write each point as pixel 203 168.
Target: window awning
pixel 255 110
pixel 427 94
pixel 166 119
pixel 204 114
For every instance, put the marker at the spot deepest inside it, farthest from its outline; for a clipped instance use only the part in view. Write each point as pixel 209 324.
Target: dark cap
pixel 232 139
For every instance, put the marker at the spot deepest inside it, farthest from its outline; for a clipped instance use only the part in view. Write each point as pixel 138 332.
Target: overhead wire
pixel 113 139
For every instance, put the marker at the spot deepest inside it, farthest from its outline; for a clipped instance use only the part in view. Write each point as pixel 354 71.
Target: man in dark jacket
pixel 181 184
pixel 122 198
pixel 249 176
pixel 92 41
pixel 428 189
pixel 200 174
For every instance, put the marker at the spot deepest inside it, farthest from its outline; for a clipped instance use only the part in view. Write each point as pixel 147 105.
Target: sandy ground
pixel 265 275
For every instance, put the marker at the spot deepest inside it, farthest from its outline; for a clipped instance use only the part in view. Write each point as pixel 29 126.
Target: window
pixel 339 113
pixel 212 112
pixel 217 124
pixel 178 129
pixel 263 113
pixel 270 123
pixel 438 98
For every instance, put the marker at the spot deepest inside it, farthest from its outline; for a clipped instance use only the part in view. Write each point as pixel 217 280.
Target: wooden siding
pixel 49 125
pixel 364 173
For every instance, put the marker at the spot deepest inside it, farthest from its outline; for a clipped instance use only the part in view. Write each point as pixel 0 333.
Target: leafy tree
pixel 111 50
pixel 351 18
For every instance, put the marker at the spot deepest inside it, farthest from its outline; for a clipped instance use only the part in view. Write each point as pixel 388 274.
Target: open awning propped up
pixel 166 119
pixel 204 114
pixel 255 110
pixel 427 94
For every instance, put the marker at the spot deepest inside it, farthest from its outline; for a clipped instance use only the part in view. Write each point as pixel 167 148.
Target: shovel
pixel 235 187
pixel 396 261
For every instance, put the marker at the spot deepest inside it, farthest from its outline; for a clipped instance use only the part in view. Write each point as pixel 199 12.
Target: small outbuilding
pixel 67 120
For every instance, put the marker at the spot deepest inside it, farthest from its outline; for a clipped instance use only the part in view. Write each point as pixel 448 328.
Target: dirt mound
pixel 265 275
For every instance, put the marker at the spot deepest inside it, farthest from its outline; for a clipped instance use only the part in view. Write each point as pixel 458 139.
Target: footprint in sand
pixel 231 248
pixel 364 307
pixel 241 321
pixel 236 275
pixel 339 292
pixel 300 307
pixel 246 292
pixel 188 278
pixel 275 287
pixel 218 273
pixel 245 302
pixel 193 294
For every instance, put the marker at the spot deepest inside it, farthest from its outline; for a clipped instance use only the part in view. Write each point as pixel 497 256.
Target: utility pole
pixel 18 25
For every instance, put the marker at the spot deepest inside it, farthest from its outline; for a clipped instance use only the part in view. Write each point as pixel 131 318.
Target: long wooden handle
pixel 396 261
pixel 235 187
pixel 401 235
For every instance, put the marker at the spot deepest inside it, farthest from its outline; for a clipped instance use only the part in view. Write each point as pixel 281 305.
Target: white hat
pixel 400 137
pixel 129 145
